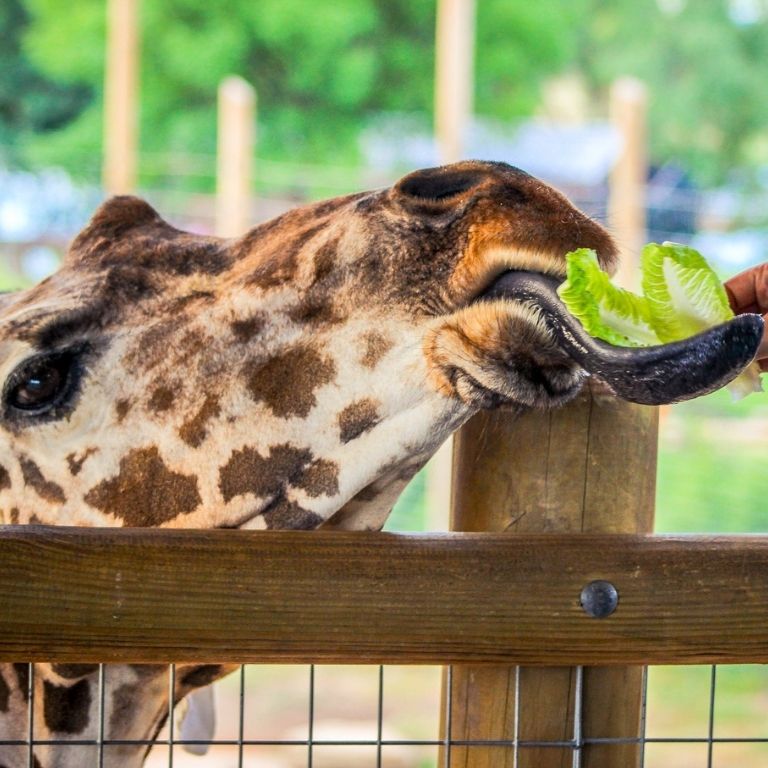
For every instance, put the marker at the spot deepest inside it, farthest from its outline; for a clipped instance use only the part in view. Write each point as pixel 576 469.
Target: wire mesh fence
pixel 389 717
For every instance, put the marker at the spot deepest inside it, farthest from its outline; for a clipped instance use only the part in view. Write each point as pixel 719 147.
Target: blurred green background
pixel 345 100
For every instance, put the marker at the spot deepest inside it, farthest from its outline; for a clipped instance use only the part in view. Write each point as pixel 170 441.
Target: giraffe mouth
pixel 658 375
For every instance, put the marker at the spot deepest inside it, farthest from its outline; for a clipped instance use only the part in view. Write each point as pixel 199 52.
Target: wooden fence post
pixel 234 159
pixel 121 85
pixel 628 179
pixel 588 467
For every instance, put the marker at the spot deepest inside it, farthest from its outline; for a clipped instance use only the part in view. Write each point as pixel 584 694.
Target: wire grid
pixel 575 744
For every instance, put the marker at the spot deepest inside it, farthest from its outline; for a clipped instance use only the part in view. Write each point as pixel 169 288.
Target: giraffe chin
pixel 658 375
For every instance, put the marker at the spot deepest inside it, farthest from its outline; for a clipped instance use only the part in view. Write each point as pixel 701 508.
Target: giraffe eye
pixel 42 383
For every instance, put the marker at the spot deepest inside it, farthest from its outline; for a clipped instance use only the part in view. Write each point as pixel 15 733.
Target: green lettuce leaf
pixel 606 311
pixel 682 296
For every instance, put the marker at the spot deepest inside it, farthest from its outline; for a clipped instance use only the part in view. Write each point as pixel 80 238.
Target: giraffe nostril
pixel 438 184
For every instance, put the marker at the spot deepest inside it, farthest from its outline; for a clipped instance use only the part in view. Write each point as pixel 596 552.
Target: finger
pixel 748 291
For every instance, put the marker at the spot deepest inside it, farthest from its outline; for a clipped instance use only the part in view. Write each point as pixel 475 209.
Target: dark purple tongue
pixel 667 373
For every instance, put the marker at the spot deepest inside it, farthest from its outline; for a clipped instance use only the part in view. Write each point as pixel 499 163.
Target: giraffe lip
pixel 667 373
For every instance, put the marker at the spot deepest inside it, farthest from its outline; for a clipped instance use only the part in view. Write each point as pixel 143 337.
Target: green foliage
pixel 519 44
pixel 321 70
pixel 29 101
pixel 706 73
pixel 326 68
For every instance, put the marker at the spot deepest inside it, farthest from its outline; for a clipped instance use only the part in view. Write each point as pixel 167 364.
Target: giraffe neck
pixel 66 705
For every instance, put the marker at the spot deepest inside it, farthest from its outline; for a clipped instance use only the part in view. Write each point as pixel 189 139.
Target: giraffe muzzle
pixel 658 375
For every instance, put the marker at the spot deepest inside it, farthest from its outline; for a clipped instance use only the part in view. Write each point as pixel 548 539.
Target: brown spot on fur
pixel 22 679
pixel 162 399
pixel 5 694
pixel 371 492
pixel 66 707
pixel 124 699
pixel 74 671
pixel 152 346
pixel 195 297
pixel 193 344
pixel 275 271
pixel 193 431
pixel 357 419
pixel 287 383
pixel 279 266
pixel 316 305
pixel 325 259
pixel 320 478
pixel 315 311
pixel 121 409
pixel 244 330
pixel 200 676
pixel 375 346
pixel 247 471
pixel 5 478
pixel 145 492
pixel 14 515
pixel 45 489
pixel 289 515
pixel 76 462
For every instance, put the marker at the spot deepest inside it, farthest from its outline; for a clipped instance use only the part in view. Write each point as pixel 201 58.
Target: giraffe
pixel 295 377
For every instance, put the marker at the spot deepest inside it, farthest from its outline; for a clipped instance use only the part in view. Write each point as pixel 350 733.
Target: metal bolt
pixel 599 599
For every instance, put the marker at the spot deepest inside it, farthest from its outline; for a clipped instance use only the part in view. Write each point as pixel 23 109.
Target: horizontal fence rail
pixel 112 595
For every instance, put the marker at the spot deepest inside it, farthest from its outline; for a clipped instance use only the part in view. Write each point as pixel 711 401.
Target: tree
pixel 706 70
pixel 29 101
pixel 321 69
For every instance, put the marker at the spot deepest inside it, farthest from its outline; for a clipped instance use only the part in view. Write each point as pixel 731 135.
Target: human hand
pixel 748 292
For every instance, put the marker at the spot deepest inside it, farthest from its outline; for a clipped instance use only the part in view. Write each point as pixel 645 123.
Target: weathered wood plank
pixel 587 467
pixel 210 596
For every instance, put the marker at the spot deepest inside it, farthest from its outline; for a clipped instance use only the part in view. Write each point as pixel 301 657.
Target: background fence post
pixel 588 467
pixel 454 90
pixel 234 156
pixel 629 176
pixel 454 76
pixel 121 85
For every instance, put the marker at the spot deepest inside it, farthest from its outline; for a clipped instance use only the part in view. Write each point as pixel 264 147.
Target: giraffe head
pixel 294 377
pixel 162 378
